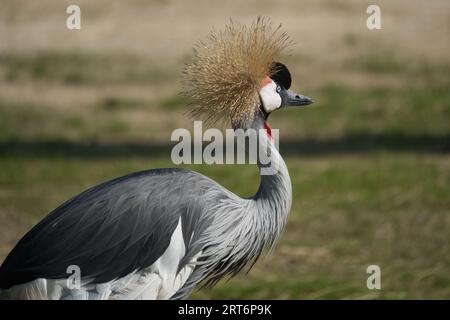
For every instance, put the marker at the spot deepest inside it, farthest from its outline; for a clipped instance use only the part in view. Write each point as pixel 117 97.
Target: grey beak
pixel 291 99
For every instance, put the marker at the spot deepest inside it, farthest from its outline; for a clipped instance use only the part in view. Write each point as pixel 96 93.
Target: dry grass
pixel 369 164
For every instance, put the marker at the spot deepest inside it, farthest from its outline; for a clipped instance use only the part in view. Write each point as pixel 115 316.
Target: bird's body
pixel 145 246
pixel 157 234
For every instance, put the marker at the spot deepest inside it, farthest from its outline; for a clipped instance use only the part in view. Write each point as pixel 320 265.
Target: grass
pixel 385 62
pixel 369 161
pixel 369 165
pixel 119 103
pixel 342 119
pixel 342 110
pixel 383 208
pixel 76 68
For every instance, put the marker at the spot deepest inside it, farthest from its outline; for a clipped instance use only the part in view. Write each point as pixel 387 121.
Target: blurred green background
pixel 369 161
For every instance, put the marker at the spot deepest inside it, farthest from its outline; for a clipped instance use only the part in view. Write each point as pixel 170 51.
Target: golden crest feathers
pixel 224 76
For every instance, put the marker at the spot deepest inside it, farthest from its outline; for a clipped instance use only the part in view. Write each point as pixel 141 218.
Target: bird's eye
pixel 278 89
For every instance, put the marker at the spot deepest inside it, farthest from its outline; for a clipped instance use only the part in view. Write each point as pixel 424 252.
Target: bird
pixel 162 233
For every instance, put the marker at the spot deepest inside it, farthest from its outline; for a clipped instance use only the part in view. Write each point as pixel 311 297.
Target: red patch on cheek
pixel 268 130
pixel 265 81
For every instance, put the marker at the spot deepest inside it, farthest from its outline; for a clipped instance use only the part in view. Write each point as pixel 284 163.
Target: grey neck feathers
pixel 274 197
pixel 258 221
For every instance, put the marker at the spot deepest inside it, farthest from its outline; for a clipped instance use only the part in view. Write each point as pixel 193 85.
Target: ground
pixel 369 161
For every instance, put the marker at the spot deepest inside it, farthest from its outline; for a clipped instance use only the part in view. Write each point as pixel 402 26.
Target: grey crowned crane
pixel 157 234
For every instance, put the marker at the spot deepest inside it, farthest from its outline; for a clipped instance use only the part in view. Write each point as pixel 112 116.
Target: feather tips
pixel 224 76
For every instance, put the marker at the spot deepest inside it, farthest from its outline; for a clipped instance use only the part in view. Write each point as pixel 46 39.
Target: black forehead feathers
pixel 281 75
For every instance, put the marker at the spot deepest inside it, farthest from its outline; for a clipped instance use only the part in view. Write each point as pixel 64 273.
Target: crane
pixel 158 234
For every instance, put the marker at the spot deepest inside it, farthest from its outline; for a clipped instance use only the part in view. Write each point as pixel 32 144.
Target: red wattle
pixel 268 129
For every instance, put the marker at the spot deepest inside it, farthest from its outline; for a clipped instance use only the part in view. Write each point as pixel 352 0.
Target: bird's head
pixel 275 93
pixel 234 76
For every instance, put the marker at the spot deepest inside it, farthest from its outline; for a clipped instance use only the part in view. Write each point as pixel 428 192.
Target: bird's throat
pixel 268 130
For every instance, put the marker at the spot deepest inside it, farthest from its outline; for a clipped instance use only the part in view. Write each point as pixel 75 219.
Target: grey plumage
pixel 115 219
pixel 157 234
pixel 124 225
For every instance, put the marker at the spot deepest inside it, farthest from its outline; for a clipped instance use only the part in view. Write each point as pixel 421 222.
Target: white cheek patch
pixel 271 100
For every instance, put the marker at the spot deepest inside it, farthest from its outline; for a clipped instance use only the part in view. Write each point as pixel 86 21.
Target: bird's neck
pixel 274 196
